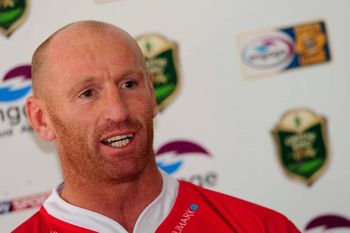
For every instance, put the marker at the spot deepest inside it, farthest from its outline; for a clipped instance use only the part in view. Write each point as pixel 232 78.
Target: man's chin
pixel 125 170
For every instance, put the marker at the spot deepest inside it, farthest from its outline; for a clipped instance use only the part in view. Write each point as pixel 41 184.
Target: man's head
pixel 94 97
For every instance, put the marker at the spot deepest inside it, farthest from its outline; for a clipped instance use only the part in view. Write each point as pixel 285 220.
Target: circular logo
pixel 270 51
pixel 194 207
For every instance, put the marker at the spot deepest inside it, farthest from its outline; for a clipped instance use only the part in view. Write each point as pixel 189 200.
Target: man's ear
pixel 37 115
pixel 153 95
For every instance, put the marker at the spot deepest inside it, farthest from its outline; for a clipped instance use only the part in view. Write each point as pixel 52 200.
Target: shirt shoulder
pixel 224 201
pixel 42 222
pixel 200 208
pixel 30 225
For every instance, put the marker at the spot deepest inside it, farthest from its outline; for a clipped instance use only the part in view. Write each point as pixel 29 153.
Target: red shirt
pixel 195 210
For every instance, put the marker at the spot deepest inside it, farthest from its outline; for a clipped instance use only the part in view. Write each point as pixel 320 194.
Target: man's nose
pixel 116 108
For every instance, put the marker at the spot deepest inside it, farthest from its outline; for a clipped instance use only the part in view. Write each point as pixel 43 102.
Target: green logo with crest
pixel 162 61
pixel 302 144
pixel 12 14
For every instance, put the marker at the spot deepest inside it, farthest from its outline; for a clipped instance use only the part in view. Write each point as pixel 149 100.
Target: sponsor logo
pixel 162 61
pixel 15 86
pixel 273 50
pixel 179 149
pixel 12 15
pixel 282 49
pixel 185 218
pixel 328 223
pixel 176 157
pixel 311 45
pixel 23 203
pixel 302 144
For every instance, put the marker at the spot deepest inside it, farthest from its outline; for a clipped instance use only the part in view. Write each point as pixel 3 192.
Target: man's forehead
pixel 81 35
pixel 81 43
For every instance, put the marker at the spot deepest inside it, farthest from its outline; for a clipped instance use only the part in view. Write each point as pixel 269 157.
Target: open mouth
pixel 118 141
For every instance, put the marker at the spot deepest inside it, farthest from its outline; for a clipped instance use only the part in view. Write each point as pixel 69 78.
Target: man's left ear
pixel 153 95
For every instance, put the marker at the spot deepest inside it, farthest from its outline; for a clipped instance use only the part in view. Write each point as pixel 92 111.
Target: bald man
pixel 93 96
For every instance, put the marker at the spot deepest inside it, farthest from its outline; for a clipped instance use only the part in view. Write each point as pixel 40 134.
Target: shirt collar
pixel 148 221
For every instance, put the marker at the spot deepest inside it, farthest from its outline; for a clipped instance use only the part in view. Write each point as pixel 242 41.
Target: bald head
pixel 75 38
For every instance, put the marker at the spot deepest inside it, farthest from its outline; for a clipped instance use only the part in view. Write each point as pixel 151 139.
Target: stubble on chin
pixel 82 160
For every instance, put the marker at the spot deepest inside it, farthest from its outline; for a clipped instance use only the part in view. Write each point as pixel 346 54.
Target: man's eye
pixel 87 93
pixel 129 84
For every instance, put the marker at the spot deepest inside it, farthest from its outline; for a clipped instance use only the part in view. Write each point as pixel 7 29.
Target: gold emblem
pixel 309 44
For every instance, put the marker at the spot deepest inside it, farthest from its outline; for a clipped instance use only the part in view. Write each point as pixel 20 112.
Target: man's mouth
pixel 118 141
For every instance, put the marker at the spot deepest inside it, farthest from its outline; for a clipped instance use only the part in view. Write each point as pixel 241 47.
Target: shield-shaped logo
pixel 302 144
pixel 12 14
pixel 162 61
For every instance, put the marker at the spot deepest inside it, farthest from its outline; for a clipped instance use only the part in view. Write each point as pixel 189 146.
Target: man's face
pixel 101 107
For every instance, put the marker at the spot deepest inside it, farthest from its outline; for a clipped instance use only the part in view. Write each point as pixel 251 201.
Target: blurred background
pixel 252 97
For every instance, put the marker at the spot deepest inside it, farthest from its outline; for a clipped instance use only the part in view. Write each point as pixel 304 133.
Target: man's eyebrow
pixel 84 81
pixel 133 72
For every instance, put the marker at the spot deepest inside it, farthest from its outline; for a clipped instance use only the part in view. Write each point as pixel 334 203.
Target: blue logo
pixel 16 84
pixel 194 207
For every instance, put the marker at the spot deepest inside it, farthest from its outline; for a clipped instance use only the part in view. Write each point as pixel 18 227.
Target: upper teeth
pixel 119 141
pixel 117 138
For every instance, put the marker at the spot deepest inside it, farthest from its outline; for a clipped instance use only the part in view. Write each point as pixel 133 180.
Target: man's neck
pixel 120 201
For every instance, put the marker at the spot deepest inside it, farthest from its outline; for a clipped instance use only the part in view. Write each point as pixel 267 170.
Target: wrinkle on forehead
pixel 77 38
